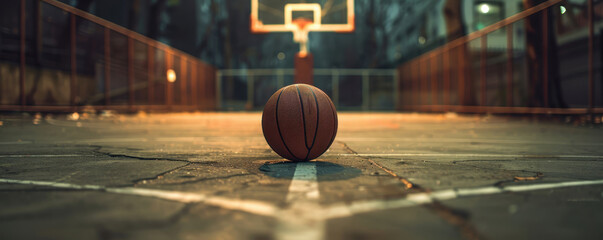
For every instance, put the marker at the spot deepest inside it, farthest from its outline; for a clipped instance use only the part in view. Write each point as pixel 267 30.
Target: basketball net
pixel 300 34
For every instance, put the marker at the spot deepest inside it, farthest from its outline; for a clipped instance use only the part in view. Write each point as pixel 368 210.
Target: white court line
pixel 210 139
pixel 524 188
pixel 15 143
pixel 470 155
pixel 305 219
pixel 206 138
pixel 415 199
pixel 250 206
pixel 106 140
pixel 302 220
pixel 466 140
pixel 45 155
pixel 304 185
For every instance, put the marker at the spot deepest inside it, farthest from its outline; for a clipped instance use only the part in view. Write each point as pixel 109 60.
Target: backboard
pixel 316 15
pixel 301 17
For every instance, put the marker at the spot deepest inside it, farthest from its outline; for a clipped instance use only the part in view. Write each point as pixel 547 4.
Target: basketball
pixel 299 122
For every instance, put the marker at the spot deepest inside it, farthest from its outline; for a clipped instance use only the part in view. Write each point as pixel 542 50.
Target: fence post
pixel 212 73
pixel 169 85
pixel 130 73
pixel 545 58
pixel 397 84
pixel 250 90
pixel 510 73
pixel 72 52
pixel 483 58
pixel 416 84
pixel 22 55
pixel 335 83
pixel 591 48
pixel 419 83
pixel 446 72
pixel 150 74
pixel 206 85
pixel 107 44
pixel 434 69
pixel 194 81
pixel 366 91
pixel 218 89
pixel 280 79
pixel 183 80
pixel 462 71
pixel 423 85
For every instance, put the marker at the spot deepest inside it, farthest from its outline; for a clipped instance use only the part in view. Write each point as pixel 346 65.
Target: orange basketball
pixel 299 122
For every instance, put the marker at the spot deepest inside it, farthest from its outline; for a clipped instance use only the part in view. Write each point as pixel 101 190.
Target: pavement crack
pixel 538 176
pixel 210 179
pixel 98 149
pixel 406 182
pixel 159 176
pixel 145 158
pixel 347 148
pixel 458 218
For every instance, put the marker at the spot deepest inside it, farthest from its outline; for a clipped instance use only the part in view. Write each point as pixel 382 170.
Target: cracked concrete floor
pixel 212 176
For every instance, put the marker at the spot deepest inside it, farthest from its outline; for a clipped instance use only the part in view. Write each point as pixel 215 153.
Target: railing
pixel 492 70
pixel 350 89
pixel 54 57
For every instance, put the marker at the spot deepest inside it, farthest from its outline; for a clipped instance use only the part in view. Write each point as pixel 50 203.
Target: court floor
pixel 212 176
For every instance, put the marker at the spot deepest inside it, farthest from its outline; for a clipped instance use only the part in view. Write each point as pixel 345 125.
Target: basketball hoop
pixel 300 34
pixel 341 22
pixel 284 16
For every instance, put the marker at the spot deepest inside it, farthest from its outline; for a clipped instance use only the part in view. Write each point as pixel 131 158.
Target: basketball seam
pixel 279 127
pixel 317 122
pixel 303 119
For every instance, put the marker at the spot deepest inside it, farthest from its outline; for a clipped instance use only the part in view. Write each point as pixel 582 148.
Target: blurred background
pixel 499 56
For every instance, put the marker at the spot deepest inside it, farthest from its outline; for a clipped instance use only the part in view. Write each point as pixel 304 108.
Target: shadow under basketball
pixel 325 171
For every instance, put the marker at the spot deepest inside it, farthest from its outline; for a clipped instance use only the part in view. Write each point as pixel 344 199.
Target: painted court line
pixel 415 199
pixel 470 155
pixel 45 155
pixel 302 219
pixel 250 206
pixel 305 218
pixel 212 139
pixel 15 143
pixel 465 140
pixel 304 185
